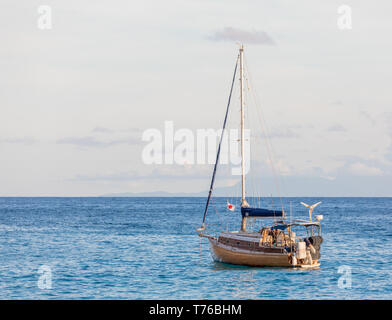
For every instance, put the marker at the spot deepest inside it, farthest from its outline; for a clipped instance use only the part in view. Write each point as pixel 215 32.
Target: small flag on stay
pixel 230 206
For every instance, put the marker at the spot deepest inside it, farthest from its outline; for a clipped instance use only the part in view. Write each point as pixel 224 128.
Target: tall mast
pixel 243 201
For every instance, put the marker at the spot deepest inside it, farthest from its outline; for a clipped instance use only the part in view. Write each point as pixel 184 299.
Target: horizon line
pixel 193 197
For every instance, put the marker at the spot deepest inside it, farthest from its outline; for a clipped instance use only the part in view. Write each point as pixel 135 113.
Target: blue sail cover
pixel 259 212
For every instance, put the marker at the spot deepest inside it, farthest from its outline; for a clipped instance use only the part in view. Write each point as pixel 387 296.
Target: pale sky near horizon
pixel 75 99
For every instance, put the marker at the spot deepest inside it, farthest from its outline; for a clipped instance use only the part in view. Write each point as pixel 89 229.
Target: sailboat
pixel 275 244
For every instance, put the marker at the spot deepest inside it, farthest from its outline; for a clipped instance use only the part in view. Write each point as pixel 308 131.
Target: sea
pixel 148 248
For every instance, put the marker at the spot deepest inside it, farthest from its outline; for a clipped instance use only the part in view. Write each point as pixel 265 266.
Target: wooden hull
pixel 233 255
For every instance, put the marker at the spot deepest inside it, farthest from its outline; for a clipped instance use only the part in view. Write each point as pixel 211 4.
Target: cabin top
pixel 284 225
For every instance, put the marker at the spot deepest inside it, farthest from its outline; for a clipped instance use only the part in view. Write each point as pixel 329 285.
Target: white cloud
pixel 243 36
pixel 361 169
pixel 336 128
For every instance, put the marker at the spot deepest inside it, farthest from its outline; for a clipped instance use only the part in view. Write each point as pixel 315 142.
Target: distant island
pixel 154 194
pixel 219 192
pixel 341 186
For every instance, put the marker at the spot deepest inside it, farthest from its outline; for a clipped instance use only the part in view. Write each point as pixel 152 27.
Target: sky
pixel 75 99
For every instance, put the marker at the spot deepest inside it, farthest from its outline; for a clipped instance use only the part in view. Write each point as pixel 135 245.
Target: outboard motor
pixel 315 243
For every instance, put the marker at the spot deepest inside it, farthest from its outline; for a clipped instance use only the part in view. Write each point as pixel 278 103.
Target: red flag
pixel 230 206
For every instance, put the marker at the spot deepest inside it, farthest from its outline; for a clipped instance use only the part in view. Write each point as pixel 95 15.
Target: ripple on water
pixel 138 248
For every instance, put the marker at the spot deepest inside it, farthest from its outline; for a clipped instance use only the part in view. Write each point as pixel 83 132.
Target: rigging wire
pixel 252 183
pixel 265 134
pixel 220 219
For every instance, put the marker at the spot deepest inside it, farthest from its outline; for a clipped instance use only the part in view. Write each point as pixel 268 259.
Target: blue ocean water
pixel 147 248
